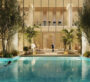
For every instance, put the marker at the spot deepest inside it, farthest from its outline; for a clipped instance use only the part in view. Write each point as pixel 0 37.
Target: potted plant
pixel 87 54
pixel 67 39
pixel 25 49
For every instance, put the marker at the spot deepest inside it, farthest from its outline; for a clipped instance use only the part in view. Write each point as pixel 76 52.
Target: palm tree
pixel 65 42
pixel 30 32
pixel 68 38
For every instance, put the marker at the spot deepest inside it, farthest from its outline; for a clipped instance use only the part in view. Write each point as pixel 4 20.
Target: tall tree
pixel 10 20
pixel 84 19
pixel 79 38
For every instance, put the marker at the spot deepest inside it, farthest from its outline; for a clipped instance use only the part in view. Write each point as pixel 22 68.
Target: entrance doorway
pixel 48 40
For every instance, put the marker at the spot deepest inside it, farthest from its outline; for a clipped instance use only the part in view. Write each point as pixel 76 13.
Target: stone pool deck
pixel 48 54
pixel 53 54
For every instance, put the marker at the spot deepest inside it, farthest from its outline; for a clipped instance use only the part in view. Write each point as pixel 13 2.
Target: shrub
pixel 14 53
pixel 25 48
pixel 87 54
pixel 8 55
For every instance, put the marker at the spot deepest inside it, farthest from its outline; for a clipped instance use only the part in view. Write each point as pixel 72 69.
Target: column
pixel 69 9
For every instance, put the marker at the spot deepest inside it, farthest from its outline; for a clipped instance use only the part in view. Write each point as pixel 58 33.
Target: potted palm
pixel 30 33
pixel 68 39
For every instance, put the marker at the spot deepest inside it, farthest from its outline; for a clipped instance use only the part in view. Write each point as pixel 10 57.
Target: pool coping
pixel 10 59
pixel 38 55
pixel 60 56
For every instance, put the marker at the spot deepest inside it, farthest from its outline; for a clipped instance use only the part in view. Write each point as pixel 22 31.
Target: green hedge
pixel 87 54
pixel 9 55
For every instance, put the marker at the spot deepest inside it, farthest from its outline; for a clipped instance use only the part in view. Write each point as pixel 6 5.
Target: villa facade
pixel 52 16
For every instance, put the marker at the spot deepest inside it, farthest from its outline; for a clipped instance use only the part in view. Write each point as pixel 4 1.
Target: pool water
pixel 46 69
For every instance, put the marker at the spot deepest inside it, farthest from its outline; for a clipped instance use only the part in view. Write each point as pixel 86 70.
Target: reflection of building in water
pixel 85 69
pixel 52 16
pixel 33 62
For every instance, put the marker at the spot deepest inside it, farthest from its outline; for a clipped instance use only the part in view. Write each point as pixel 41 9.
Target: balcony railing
pixel 49 23
pixel 54 28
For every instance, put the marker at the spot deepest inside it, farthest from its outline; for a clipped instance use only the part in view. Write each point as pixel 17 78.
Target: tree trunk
pixel 23 41
pixel 12 43
pixel 69 46
pixel 3 46
pixel 81 47
pixel 64 47
pixel 8 46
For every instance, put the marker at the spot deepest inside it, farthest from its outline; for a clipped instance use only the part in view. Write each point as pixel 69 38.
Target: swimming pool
pixel 46 69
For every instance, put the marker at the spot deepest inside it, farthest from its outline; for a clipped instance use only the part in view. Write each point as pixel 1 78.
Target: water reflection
pixel 33 62
pixel 85 69
pixel 54 69
pixel 37 70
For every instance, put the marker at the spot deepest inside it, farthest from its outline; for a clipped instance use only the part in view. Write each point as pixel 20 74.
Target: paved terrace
pixel 50 53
